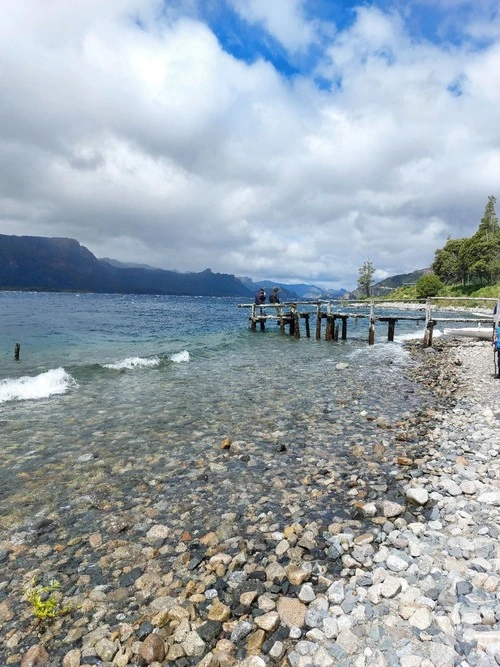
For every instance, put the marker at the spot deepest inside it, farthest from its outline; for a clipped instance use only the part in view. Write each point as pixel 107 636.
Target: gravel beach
pixel 405 572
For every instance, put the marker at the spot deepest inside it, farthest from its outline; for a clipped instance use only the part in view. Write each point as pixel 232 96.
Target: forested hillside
pixel 474 260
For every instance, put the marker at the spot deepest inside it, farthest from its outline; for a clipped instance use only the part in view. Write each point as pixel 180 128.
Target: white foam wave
pixel 55 381
pixel 180 357
pixel 415 335
pixel 133 362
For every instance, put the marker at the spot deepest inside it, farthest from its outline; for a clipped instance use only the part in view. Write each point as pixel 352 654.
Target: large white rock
pixel 417 495
pixel 391 509
pixel 421 619
pixel 336 593
pixel 490 498
pixel 390 586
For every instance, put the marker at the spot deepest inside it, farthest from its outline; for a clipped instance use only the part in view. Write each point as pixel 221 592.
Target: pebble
pixel 36 656
pixel 152 649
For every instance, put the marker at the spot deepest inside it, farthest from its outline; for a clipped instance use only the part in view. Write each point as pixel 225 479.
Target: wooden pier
pixel 289 315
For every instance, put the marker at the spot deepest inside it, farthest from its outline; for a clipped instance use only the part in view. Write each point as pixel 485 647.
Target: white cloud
pixel 135 133
pixel 283 19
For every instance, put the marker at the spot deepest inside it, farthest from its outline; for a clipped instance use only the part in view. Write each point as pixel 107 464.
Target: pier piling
pixel 308 329
pixel 296 322
pixel 318 321
pixel 371 330
pixel 390 329
pixel 17 350
pixel 328 330
pixel 344 327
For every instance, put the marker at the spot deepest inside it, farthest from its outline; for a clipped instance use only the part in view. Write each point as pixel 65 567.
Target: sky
pixel 290 140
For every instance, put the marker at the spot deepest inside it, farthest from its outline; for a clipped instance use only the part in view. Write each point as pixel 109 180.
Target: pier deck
pixel 289 314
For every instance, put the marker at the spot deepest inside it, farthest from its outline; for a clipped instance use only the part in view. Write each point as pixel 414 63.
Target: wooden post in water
pixel 335 331
pixel 390 330
pixel 253 322
pixel 292 323
pixel 430 329
pixel 328 330
pixel 371 330
pixel 262 325
pixel 17 350
pixel 318 321
pixel 329 327
pixel 308 330
pixel 427 342
pixel 281 319
pixel 296 324
pixel 344 327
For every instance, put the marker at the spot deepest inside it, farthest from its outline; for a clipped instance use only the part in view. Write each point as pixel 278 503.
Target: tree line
pixel 475 259
pixel 465 261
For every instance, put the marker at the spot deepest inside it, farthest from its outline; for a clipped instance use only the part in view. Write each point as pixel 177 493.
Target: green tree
pixel 428 285
pixel 365 278
pixel 474 259
pixel 482 251
pixel 450 263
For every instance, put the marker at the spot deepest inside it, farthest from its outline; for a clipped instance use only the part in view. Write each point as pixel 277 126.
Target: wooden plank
pixel 400 317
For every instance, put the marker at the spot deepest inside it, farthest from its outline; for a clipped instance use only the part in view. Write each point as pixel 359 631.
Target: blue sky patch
pixel 435 22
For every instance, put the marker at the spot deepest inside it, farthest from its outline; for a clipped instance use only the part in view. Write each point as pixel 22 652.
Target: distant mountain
pixel 305 291
pixel 286 294
pixel 128 265
pixel 60 264
pixel 295 291
pixel 386 286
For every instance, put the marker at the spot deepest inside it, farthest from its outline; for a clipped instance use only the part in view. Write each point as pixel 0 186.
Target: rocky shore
pixel 405 571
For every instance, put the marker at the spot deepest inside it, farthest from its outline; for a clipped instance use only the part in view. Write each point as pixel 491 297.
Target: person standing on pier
pixel 260 298
pixel 274 297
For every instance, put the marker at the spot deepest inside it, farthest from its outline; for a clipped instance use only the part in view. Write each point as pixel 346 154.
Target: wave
pixel 416 334
pixel 55 381
pixel 133 362
pixel 180 357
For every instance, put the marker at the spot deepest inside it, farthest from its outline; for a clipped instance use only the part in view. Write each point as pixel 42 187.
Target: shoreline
pixel 409 578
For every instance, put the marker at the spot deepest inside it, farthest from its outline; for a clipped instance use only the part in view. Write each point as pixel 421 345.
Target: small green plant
pixel 44 604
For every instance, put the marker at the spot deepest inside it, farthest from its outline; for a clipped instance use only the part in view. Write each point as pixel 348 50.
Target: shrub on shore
pixel 44 604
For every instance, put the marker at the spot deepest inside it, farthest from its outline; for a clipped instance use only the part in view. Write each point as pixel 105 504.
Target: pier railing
pixel 338 313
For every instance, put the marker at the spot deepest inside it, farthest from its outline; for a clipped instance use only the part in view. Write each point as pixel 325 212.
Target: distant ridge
pixel 386 286
pixel 128 265
pixel 62 264
pixel 293 291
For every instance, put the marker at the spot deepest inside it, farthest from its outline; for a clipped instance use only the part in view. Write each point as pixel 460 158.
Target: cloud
pixel 284 20
pixel 125 124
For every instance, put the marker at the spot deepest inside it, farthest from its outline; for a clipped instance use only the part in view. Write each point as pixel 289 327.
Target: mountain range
pixel 62 264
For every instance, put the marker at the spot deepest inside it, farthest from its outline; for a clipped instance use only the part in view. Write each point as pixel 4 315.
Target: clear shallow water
pixel 130 378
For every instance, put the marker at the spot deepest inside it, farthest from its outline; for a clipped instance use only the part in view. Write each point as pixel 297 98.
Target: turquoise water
pixel 128 377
